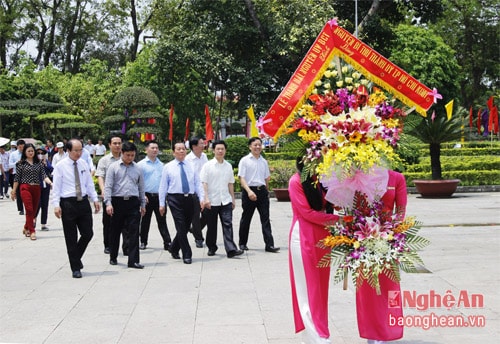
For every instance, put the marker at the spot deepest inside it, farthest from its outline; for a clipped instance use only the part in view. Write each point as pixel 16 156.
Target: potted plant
pixel 434 131
pixel 281 172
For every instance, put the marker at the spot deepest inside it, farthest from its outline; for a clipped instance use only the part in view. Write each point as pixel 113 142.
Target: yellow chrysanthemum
pixel 391 123
pixel 408 223
pixel 337 240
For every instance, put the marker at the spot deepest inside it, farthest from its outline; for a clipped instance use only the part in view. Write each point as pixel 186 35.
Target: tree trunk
pixel 70 37
pixel 255 19
pixel 52 33
pixel 371 12
pixel 435 152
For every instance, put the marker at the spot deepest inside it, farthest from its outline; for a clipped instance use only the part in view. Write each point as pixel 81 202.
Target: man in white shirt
pixel 14 157
pixel 218 184
pixel 4 182
pixel 89 147
pixel 99 149
pixel 198 158
pixel 254 174
pixel 70 200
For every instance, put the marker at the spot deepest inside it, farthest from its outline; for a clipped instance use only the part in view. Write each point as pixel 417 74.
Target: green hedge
pixel 454 163
pixel 467 178
pixel 464 151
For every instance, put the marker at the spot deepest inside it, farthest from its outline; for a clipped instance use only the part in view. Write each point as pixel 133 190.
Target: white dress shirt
pixel 255 171
pixel 64 181
pixel 197 162
pixel 218 176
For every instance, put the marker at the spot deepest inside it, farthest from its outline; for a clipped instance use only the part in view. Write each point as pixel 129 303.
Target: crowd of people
pixel 198 192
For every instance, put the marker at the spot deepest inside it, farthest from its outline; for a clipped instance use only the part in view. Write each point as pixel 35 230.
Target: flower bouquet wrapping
pixel 351 135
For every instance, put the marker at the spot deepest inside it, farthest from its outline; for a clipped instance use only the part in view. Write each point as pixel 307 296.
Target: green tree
pixel 423 54
pixel 471 28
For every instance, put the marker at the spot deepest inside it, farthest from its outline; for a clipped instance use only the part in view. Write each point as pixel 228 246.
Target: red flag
pixel 491 114
pixel 471 122
pixel 479 121
pixel 171 121
pixel 186 135
pixel 208 125
pixel 490 103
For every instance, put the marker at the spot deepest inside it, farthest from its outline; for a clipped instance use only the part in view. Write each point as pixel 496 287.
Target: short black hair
pixel 147 143
pixel 128 146
pixel 219 142
pixel 195 140
pixel 253 139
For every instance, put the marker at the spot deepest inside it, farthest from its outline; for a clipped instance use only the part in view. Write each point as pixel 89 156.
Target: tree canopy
pixel 227 54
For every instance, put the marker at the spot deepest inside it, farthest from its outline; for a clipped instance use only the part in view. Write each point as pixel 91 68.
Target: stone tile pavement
pixel 240 300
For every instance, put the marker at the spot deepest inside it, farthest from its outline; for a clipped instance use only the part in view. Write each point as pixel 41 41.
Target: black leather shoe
pixel 166 247
pixel 187 260
pixel 175 255
pixel 136 266
pixel 142 246
pixel 244 247
pixel 113 262
pixel 199 243
pixel 77 274
pixel 210 253
pixel 272 249
pixel 106 250
pixel 235 253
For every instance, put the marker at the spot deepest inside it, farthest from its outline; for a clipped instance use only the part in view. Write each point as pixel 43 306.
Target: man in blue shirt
pixel 151 168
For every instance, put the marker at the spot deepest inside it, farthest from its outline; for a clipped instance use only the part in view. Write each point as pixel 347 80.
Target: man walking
pixel 115 144
pixel 198 158
pixel 72 186
pixel 254 174
pixel 180 183
pixel 125 203
pixel 14 157
pixel 4 182
pixel 218 185
pixel 152 168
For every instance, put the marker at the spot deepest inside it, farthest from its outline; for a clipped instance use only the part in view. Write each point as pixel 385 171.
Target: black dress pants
pixel 106 231
pixel 76 217
pixel 249 206
pixel 181 208
pixel 198 221
pixel 225 213
pixel 126 217
pixel 153 206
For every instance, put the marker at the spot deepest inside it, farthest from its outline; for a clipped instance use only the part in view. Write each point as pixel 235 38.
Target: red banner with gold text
pixel 334 40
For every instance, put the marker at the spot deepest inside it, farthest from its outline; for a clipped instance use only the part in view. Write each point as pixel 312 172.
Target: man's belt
pixel 260 187
pixel 125 198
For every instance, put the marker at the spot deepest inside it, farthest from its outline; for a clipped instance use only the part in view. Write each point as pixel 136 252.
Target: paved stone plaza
pixel 241 300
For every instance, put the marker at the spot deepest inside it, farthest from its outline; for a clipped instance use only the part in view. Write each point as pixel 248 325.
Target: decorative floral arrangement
pixel 351 136
pixel 370 241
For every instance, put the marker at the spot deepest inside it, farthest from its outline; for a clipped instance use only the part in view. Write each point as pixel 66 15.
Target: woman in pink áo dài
pixel 309 282
pixel 374 311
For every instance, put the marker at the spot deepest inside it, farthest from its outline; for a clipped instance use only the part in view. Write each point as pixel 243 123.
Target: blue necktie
pixel 184 179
